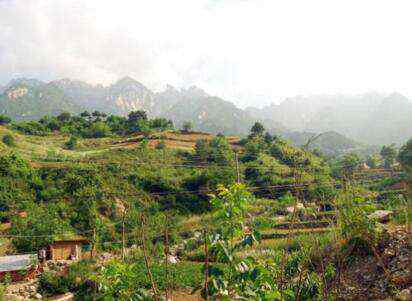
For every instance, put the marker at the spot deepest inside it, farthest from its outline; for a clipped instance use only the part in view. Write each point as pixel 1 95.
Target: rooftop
pixel 70 238
pixel 16 262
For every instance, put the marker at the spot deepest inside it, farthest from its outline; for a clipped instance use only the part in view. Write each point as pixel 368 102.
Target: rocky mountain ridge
pixel 372 118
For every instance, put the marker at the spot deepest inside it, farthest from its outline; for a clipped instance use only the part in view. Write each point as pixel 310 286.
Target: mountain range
pixel 370 118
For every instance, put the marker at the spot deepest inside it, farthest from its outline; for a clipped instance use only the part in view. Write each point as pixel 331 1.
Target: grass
pixel 281 233
pixel 51 147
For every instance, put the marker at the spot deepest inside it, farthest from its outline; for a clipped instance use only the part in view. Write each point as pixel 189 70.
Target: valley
pixel 167 212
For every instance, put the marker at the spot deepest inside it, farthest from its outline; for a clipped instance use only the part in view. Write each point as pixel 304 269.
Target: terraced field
pixel 46 148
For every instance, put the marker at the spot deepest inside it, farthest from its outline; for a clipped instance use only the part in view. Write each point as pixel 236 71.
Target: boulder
pixel 297 206
pixel 172 259
pixel 405 295
pixel 65 297
pixel 381 216
pixel 312 205
pixel 11 297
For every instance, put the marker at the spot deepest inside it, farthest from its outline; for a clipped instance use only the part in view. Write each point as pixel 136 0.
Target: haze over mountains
pixel 370 118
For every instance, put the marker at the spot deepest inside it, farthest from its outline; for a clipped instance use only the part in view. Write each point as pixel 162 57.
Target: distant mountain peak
pixel 194 91
pixel 373 118
pixel 126 81
pixel 31 82
pixel 397 96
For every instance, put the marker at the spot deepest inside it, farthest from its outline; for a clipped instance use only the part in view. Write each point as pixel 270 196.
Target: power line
pixel 293 186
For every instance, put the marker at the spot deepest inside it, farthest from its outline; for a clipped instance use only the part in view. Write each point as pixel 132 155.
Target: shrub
pixel 187 127
pixel 2 291
pixel 7 279
pixel 359 231
pixel 161 145
pixel 50 284
pixel 98 130
pixel 4 119
pixel 8 139
pixel 71 143
pixel 405 156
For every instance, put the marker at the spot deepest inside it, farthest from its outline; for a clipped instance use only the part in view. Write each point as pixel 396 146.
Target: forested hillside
pixel 170 211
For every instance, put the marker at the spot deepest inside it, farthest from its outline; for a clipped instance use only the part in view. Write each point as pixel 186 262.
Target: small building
pixel 18 267
pixel 68 248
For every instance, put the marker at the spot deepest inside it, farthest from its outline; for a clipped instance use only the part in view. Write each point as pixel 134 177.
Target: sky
pixel 249 52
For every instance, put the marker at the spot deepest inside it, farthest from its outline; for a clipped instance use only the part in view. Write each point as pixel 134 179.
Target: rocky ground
pixel 22 291
pixel 382 276
pixel 28 290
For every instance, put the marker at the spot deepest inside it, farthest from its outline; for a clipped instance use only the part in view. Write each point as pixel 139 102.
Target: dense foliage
pixel 135 202
pixel 94 125
pixel 405 155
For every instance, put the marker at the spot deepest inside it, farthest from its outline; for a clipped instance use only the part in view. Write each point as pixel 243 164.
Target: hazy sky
pixel 250 52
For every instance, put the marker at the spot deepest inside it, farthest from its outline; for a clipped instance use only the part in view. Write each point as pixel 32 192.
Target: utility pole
pixel 94 242
pixel 123 234
pixel 206 288
pixel 146 257
pixel 166 249
pixel 237 167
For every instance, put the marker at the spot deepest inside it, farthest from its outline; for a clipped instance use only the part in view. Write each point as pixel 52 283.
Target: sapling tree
pixel 244 277
pixel 388 154
pixel 187 127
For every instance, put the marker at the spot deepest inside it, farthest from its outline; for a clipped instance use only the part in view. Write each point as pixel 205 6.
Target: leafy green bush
pixel 8 139
pixel 51 284
pixel 405 156
pixel 356 228
pixel 71 143
pixel 31 128
pixel 7 279
pixel 4 119
pixel 161 145
pixel 187 127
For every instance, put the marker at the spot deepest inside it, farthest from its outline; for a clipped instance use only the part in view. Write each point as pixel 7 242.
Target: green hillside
pixel 136 187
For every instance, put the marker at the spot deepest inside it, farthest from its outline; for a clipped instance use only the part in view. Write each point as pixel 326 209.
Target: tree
pixel 253 148
pixel 268 138
pixel 71 143
pixel 372 161
pixel 405 156
pixel 64 117
pixel 388 154
pixel 231 235
pixel 161 145
pixel 137 122
pixel 84 185
pixel 117 124
pixel 202 150
pixel 53 124
pixel 85 115
pixel 98 116
pixel 220 151
pixel 8 139
pixel 137 115
pixel 42 221
pixel 161 124
pixel 187 126
pixel 257 129
pixel 98 129
pixel 4 119
pixel 349 164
